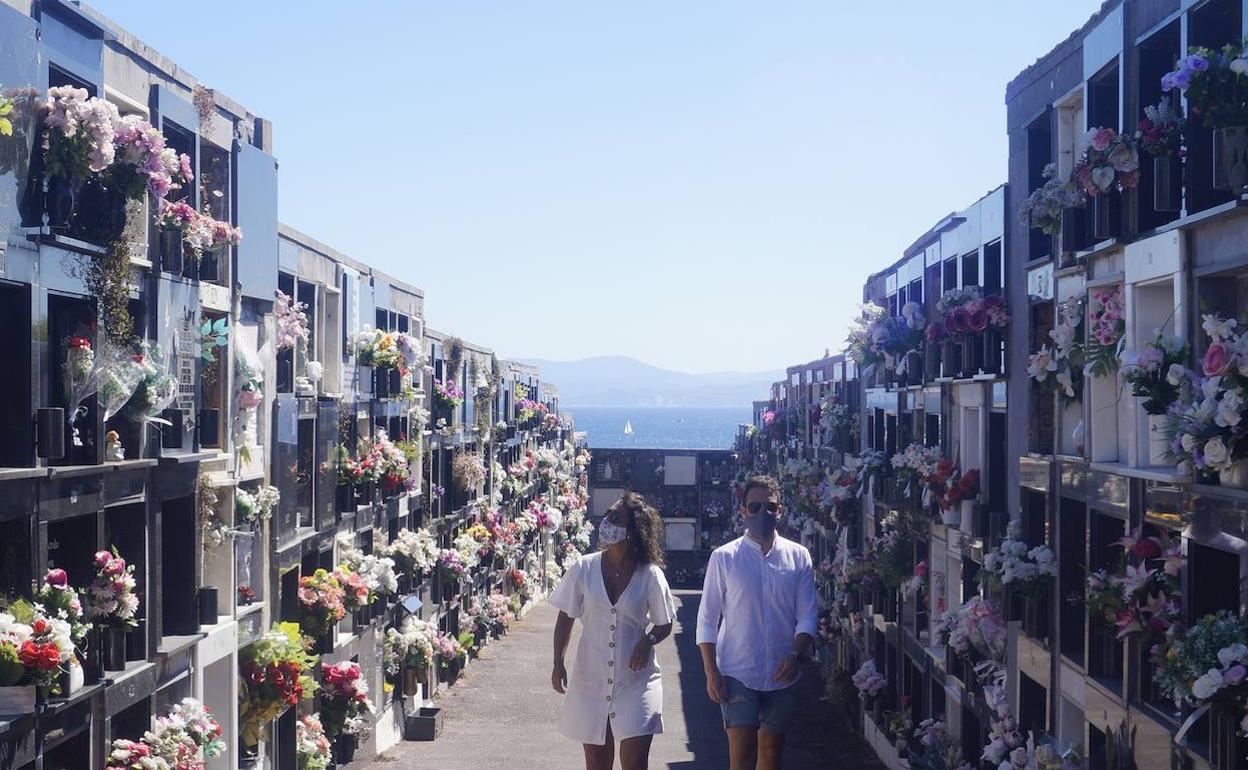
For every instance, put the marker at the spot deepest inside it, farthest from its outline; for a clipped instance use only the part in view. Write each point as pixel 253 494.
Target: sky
pixel 701 184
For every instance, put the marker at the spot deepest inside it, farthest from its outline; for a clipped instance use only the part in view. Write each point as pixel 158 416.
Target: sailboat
pixel 628 427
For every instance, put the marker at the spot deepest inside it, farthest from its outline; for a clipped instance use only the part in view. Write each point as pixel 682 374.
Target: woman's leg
pixel 635 752
pixel 600 757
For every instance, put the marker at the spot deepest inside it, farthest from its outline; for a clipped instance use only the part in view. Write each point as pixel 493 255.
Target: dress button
pixel 612 626
pixel 610 681
pixel 613 715
pixel 608 697
pixel 610 662
pixel 612 644
pixel 612 610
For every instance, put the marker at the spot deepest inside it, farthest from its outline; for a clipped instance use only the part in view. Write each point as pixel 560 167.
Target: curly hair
pixel 645 528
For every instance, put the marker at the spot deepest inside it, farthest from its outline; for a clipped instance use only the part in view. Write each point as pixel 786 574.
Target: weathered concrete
pixel 503 714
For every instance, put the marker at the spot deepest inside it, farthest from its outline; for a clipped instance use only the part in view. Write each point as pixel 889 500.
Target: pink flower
pixel 977 319
pixel 1102 139
pixel 935 330
pixel 57 578
pixel 1218 358
pixel 956 321
pixel 1235 674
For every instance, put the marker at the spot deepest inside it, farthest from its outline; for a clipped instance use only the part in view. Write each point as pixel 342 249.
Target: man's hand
pixel 716 687
pixel 787 670
pixel 640 655
pixel 559 678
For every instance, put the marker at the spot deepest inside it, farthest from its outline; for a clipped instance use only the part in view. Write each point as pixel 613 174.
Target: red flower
pixel 977 319
pixel 40 656
pixel 955 321
pixel 1146 548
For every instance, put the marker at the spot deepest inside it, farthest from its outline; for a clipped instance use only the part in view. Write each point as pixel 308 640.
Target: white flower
pixel 1067 384
pixel 1211 387
pixel 1063 336
pixel 1208 685
pixel 315 371
pixel 1239 66
pixel 1234 653
pixel 1040 363
pixel 1176 374
pixel 912 312
pixel 1229 409
pixel 1216 453
pixel 1218 329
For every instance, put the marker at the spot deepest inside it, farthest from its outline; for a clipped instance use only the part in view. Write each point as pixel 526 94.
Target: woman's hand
pixel 559 678
pixel 640 656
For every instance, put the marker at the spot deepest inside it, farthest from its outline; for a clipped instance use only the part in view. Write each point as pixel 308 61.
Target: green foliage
pixel 213 335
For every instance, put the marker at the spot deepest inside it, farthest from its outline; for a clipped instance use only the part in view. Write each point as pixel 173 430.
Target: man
pixel 762 587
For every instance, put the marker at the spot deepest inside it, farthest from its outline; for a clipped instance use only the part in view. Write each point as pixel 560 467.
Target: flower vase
pixel 344 749
pixel 1106 216
pixel 1158 445
pixel 951 517
pixel 113 648
pixel 1167 183
pixel 1230 158
pixel 172 251
pixel 1234 476
pixel 59 204
pixel 411 682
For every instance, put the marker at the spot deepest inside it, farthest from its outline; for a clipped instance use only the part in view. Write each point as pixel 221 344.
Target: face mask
pixel 762 525
pixel 609 534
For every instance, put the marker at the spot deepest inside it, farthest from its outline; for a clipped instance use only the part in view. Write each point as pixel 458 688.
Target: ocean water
pixel 660 427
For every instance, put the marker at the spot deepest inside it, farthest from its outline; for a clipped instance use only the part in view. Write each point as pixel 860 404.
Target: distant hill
pixel 624 381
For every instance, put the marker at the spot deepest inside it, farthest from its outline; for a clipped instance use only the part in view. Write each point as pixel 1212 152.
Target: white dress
pixel 601 687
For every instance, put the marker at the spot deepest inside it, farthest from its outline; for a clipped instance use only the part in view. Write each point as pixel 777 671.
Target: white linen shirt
pixel 601 687
pixel 764 601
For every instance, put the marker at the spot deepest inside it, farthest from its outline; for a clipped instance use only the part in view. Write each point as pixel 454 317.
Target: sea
pixel 659 427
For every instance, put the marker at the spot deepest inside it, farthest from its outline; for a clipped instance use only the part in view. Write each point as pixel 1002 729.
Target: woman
pixel 615 693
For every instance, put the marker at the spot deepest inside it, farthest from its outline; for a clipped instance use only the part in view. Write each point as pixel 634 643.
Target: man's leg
pixel 743 747
pixel 770 749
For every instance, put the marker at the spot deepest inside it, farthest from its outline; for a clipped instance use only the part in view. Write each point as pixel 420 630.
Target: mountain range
pixel 624 381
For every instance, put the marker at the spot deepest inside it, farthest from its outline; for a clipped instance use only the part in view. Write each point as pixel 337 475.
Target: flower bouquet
pixel 1015 565
pixel 1110 163
pixel 975 628
pixel 111 597
pixel 274 675
pixel 1214 83
pixel 1208 427
pixel 868 680
pixel 448 650
pixel 1061 368
pixel 133 755
pixel 415 552
pixel 34 649
pixel 448 393
pixel 58 600
pixel 1106 326
pixel 292 322
pixel 185 737
pixel 1141 595
pixel 1206 664
pixel 156 387
pixel 345 706
pixel 321 602
pixel 468 469
pixel 79 374
pixel 1160 131
pixel 1155 373
pixel 312 747
pixel 258 505
pixel 1044 208
pixel 877 338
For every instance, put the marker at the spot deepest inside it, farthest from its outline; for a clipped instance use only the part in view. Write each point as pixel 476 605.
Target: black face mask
pixel 762 525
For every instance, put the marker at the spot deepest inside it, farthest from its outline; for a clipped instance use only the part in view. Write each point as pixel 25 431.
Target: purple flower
pixel 1196 63
pixel 1235 674
pixel 1182 79
pixel 1167 82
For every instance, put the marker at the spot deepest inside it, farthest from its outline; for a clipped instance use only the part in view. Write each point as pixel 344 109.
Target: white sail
pixel 628 427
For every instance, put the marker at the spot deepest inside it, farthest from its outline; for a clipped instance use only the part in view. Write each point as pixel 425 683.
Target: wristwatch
pixel 653 639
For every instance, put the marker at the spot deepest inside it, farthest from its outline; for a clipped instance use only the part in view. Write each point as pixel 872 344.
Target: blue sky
pixel 702 185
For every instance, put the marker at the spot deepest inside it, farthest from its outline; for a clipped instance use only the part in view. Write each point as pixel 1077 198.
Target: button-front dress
pixel 601 687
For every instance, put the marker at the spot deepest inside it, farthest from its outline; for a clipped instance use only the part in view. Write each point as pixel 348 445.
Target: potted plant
pixel 1155 375
pixel 1109 164
pixel 113 606
pixel 1160 134
pixel 1216 86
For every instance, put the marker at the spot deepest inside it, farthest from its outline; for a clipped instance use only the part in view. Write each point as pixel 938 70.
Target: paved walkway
pixel 503 715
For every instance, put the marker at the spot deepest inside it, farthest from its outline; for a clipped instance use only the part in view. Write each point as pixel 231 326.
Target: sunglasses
pixel 772 506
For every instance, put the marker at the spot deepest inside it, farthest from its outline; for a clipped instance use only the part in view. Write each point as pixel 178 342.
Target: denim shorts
pixel 769 709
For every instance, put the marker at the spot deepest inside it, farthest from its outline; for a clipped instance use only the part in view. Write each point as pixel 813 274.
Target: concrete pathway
pixel 503 715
